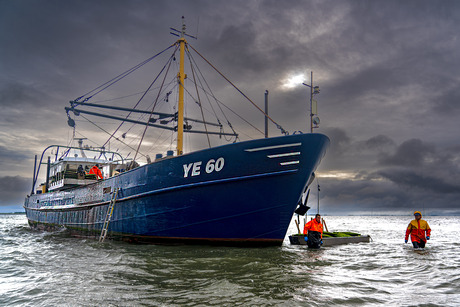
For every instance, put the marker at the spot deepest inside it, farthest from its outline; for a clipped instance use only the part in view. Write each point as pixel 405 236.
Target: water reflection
pixel 53 269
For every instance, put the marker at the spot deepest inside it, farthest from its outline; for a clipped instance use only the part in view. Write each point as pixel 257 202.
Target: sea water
pixel 53 269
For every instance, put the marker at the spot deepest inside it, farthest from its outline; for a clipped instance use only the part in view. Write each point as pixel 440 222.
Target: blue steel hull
pixel 237 194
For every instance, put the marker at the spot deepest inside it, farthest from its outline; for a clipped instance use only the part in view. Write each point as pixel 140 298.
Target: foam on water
pixel 51 269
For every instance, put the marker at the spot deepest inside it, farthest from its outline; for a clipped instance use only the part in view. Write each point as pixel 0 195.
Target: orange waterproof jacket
pixel 313 225
pixel 95 170
pixel 417 230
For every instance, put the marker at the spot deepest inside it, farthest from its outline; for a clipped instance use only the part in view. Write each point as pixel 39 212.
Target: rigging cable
pixel 123 97
pixel 145 93
pixel 244 95
pixel 141 117
pixel 109 133
pixel 199 100
pixel 212 95
pixel 202 87
pixel 156 100
pixel 219 103
pixel 119 77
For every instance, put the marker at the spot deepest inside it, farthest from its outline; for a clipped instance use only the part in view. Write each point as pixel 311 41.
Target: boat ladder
pixel 105 227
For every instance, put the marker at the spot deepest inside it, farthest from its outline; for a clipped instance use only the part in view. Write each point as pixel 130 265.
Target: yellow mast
pixel 180 78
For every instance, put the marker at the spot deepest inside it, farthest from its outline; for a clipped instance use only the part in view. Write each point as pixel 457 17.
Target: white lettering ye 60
pixel 211 166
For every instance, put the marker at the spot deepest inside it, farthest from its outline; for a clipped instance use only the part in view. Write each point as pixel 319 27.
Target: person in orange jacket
pixel 314 230
pixel 95 170
pixel 417 229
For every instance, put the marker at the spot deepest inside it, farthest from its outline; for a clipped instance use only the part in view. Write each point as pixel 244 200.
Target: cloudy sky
pixel 389 73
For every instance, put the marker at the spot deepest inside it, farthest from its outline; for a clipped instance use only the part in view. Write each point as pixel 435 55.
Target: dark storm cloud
pixel 339 146
pixel 448 102
pixel 11 156
pixel 238 42
pixel 366 82
pixel 422 166
pixel 14 93
pixel 262 40
pixel 410 175
pixel 382 61
pixel 388 73
pixel 412 179
pixel 363 195
pixel 382 197
pixel 425 157
pixel 411 153
pixel 349 154
pixel 13 189
pixel 339 137
pixel 379 141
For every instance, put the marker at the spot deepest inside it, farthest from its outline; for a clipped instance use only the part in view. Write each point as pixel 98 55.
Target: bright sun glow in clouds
pixel 294 81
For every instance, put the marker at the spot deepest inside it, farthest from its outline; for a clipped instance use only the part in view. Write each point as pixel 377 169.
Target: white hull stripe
pixel 284 155
pixel 289 163
pixel 273 147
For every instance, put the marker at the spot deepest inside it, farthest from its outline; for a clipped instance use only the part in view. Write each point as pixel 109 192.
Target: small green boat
pixel 332 238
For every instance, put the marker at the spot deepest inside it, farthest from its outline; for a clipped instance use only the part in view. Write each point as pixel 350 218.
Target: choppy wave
pixel 53 269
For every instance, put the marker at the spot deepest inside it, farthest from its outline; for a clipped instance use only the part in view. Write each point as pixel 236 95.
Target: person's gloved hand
pixel 306 238
pixel 428 238
pixel 321 242
pixel 405 241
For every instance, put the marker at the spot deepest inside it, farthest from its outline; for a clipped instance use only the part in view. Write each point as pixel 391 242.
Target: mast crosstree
pixel 160 119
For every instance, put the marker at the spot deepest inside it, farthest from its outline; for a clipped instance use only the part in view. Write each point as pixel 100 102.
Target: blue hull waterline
pixel 238 194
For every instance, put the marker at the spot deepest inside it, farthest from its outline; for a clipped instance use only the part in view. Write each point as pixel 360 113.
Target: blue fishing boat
pixel 243 193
